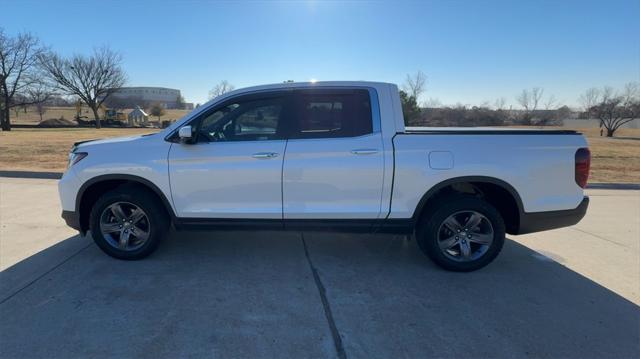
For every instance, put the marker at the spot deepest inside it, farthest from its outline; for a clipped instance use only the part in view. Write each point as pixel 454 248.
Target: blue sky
pixel 471 51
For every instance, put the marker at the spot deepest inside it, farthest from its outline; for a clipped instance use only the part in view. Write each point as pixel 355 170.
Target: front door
pixel 234 168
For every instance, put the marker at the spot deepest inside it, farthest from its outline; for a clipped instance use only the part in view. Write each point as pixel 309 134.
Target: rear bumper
pixel 72 219
pixel 543 221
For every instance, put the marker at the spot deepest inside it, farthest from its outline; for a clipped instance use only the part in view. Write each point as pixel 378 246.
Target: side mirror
pixel 185 134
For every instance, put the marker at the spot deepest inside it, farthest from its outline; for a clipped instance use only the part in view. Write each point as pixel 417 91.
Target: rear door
pixel 234 170
pixel 334 162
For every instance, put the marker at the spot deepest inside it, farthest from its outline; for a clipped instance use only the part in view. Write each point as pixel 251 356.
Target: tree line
pixel 611 107
pixel 31 74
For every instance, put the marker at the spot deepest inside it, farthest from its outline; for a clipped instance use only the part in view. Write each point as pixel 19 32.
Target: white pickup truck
pixel 326 156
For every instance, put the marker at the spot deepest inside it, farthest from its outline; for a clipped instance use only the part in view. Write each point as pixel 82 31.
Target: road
pixel 572 292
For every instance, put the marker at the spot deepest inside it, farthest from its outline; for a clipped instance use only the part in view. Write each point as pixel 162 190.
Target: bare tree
pixel 17 109
pixel 220 89
pixel 414 85
pixel 41 109
pixel 631 92
pixel 500 103
pixel 91 78
pixel 550 103
pixel 553 113
pixel 616 109
pixel 38 94
pixel 432 102
pixel 589 99
pixel 607 92
pixel 18 64
pixel 529 100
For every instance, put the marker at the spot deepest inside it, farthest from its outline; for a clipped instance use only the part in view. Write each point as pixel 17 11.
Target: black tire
pixel 430 224
pixel 158 221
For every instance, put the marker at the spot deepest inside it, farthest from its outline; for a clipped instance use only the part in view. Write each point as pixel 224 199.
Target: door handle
pixel 364 151
pixel 264 155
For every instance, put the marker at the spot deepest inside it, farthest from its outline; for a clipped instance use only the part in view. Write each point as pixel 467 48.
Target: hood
pixel 106 141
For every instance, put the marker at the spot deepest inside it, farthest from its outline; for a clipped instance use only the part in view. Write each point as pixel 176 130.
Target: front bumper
pixel 543 221
pixel 72 219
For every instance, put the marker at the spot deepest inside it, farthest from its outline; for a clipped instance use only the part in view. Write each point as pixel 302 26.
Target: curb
pixel 31 174
pixel 613 186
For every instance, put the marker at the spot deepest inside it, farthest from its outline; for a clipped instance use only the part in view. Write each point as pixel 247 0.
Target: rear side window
pixel 331 113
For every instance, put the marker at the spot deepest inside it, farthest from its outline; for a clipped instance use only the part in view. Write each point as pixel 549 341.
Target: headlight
pixel 75 157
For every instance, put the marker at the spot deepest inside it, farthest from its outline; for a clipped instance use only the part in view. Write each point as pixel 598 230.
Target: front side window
pixel 243 120
pixel 332 113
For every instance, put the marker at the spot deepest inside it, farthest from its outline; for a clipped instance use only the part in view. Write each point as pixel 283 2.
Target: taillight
pixel 583 163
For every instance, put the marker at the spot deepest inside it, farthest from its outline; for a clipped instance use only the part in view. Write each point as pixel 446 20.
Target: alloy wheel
pixel 465 236
pixel 125 226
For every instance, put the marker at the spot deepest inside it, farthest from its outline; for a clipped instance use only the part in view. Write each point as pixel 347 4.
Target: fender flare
pixel 125 177
pixel 466 179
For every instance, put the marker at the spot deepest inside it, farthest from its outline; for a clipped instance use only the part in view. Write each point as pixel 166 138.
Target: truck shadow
pixel 252 294
pixel 385 291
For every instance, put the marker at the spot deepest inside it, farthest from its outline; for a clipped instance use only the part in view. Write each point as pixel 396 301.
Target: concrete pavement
pixel 567 293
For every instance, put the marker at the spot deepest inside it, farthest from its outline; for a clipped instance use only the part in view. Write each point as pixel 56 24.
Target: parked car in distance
pixel 326 156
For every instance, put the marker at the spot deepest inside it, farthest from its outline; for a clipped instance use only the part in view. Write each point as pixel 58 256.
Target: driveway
pixel 572 292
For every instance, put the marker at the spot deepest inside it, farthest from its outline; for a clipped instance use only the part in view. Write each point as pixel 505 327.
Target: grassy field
pixel 617 159
pixel 613 159
pixel 47 149
pixel 31 117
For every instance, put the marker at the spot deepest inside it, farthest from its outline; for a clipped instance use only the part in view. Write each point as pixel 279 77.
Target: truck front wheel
pixel 128 223
pixel 462 233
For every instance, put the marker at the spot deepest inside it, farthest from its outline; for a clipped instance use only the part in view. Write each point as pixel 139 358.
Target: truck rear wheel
pixel 461 233
pixel 128 223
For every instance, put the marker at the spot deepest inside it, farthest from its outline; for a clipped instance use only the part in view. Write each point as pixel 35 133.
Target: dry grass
pixel 31 117
pixel 614 159
pixel 47 149
pixel 617 159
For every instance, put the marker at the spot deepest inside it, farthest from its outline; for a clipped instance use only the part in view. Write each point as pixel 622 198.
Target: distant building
pixel 145 96
pixel 137 117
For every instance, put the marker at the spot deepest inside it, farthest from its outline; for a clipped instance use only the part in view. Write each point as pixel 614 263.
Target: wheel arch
pixel 499 193
pixel 92 189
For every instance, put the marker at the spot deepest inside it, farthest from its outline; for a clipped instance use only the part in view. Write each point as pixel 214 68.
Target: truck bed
pixel 538 164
